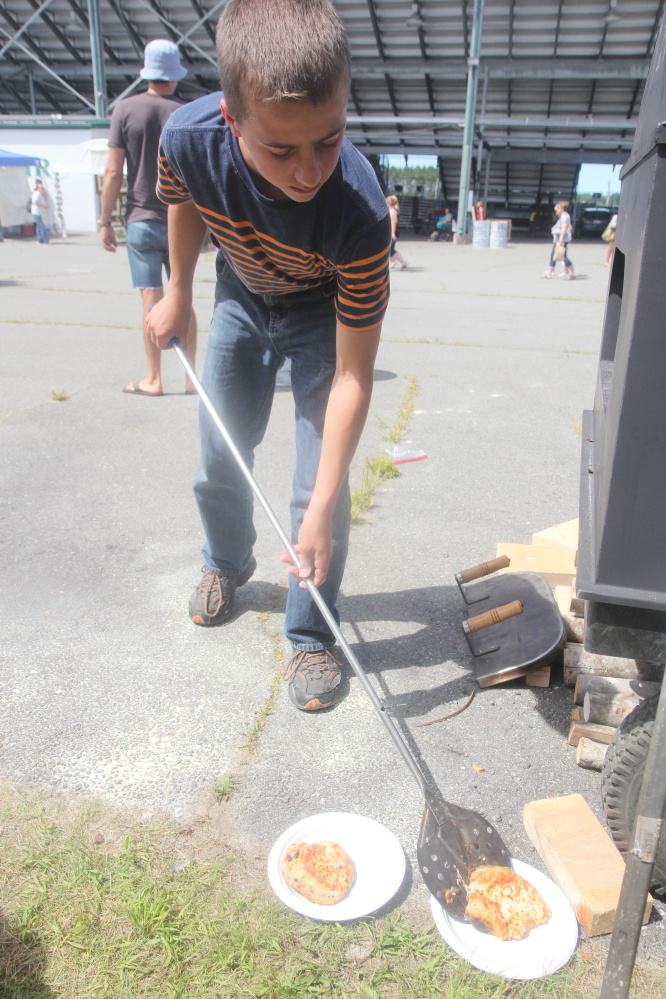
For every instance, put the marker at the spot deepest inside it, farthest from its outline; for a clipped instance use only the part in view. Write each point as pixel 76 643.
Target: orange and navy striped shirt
pixel 281 246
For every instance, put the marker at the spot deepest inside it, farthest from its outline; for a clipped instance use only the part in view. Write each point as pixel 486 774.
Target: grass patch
pixel 251 736
pixel 121 920
pixel 376 470
pixel 59 396
pixel 397 430
pixel 225 786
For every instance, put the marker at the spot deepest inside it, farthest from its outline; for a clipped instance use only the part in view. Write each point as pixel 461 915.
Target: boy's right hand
pixel 168 319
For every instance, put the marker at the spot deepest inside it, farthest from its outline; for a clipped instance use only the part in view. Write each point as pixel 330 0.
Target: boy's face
pixel 291 148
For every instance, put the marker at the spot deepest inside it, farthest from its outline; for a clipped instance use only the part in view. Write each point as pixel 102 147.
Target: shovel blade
pixel 454 841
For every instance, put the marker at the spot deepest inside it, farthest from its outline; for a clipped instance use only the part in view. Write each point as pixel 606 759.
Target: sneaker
pixel 213 600
pixel 313 679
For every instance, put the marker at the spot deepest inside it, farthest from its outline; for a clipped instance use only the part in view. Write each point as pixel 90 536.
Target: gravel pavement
pixel 108 689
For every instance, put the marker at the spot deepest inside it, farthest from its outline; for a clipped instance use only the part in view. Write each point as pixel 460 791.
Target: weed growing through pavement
pixel 121 919
pixel 381 467
pixel 225 786
pixel 376 471
pixel 405 411
pixel 59 396
pixel 251 735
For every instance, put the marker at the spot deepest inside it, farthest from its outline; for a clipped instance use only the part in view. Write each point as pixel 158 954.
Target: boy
pixel 304 237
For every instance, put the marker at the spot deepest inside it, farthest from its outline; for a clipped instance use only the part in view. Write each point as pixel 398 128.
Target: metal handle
pixel 314 592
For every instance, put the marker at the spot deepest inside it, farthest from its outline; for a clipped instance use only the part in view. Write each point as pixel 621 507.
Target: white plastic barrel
pixel 499 234
pixel 481 234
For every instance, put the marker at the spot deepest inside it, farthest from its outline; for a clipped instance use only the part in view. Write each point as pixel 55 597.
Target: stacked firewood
pixel 606 690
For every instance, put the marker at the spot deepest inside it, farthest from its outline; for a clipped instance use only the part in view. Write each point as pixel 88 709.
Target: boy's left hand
pixel 314 549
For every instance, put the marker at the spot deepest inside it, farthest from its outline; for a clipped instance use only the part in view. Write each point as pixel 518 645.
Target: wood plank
pixel 560 536
pixel 589 730
pixel 555 564
pixel 539 678
pixel 562 596
pixel 581 858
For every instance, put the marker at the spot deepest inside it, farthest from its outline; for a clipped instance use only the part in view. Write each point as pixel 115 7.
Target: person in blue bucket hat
pixel 134 136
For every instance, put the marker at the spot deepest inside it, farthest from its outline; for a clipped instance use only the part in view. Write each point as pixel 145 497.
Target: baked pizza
pixel 500 902
pixel 321 872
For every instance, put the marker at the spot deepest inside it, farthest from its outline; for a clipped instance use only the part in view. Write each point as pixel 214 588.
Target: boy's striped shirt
pixel 277 247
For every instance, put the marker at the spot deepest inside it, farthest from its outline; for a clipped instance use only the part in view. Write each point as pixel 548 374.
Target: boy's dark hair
pixel 275 50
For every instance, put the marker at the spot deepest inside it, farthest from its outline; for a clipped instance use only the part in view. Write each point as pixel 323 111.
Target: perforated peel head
pixel 453 842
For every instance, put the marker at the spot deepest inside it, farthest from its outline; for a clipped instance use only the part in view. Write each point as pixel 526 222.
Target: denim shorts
pixel 147 251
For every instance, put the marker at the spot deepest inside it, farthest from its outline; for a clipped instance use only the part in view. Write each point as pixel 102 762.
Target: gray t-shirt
pixel 136 126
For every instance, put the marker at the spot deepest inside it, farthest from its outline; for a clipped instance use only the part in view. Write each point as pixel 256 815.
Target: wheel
pixel 621 780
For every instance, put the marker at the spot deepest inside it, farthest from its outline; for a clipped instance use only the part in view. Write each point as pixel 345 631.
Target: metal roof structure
pixel 525 88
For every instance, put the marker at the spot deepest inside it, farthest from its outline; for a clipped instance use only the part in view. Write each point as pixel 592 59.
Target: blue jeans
pixel 147 252
pixel 249 337
pixel 40 229
pixel 567 262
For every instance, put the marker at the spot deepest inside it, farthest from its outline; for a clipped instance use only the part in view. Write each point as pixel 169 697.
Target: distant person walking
pixel 480 211
pixel 395 257
pixel 39 207
pixel 134 135
pixel 609 236
pixel 561 233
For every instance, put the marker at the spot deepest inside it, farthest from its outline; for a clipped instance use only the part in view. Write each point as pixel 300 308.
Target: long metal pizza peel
pixel 453 840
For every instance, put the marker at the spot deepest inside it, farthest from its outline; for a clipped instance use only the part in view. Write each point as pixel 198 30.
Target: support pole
pixel 468 135
pixel 97 54
pixel 485 186
pixel 640 863
pixel 31 85
pixel 479 148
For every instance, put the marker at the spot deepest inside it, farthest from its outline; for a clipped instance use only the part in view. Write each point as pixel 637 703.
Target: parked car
pixel 593 221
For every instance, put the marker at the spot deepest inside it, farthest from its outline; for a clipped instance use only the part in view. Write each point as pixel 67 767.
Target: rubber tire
pixel 621 779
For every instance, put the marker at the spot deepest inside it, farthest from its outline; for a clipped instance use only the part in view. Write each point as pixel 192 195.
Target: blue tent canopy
pixel 15 159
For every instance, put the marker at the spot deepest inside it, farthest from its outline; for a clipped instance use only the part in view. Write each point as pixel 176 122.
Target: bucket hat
pixel 162 61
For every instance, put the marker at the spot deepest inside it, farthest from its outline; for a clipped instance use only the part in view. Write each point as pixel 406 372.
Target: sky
pixel 594 177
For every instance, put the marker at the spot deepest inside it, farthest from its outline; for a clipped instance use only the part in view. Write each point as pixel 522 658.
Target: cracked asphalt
pixel 108 689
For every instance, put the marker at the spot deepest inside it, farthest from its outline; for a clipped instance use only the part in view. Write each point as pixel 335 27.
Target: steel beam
pixel 499 121
pixel 25 26
pixel 179 42
pixel 608 68
pixel 97 57
pixel 470 108
pixel 47 69
pixel 517 155
pixel 411 69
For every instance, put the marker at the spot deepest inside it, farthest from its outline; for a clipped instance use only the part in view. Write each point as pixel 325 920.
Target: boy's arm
pixel 346 413
pixel 171 316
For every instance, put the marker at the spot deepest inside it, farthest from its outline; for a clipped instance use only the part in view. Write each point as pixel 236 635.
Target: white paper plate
pixel 378 859
pixel 545 948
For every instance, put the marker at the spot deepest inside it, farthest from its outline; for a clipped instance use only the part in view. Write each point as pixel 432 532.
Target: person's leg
pixel 153 380
pixel 239 377
pixel 307 336
pixel 400 259
pixel 145 254
pixel 548 273
pixel 305 332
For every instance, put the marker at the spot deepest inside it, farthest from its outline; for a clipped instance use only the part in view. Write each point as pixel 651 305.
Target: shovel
pixel 453 840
